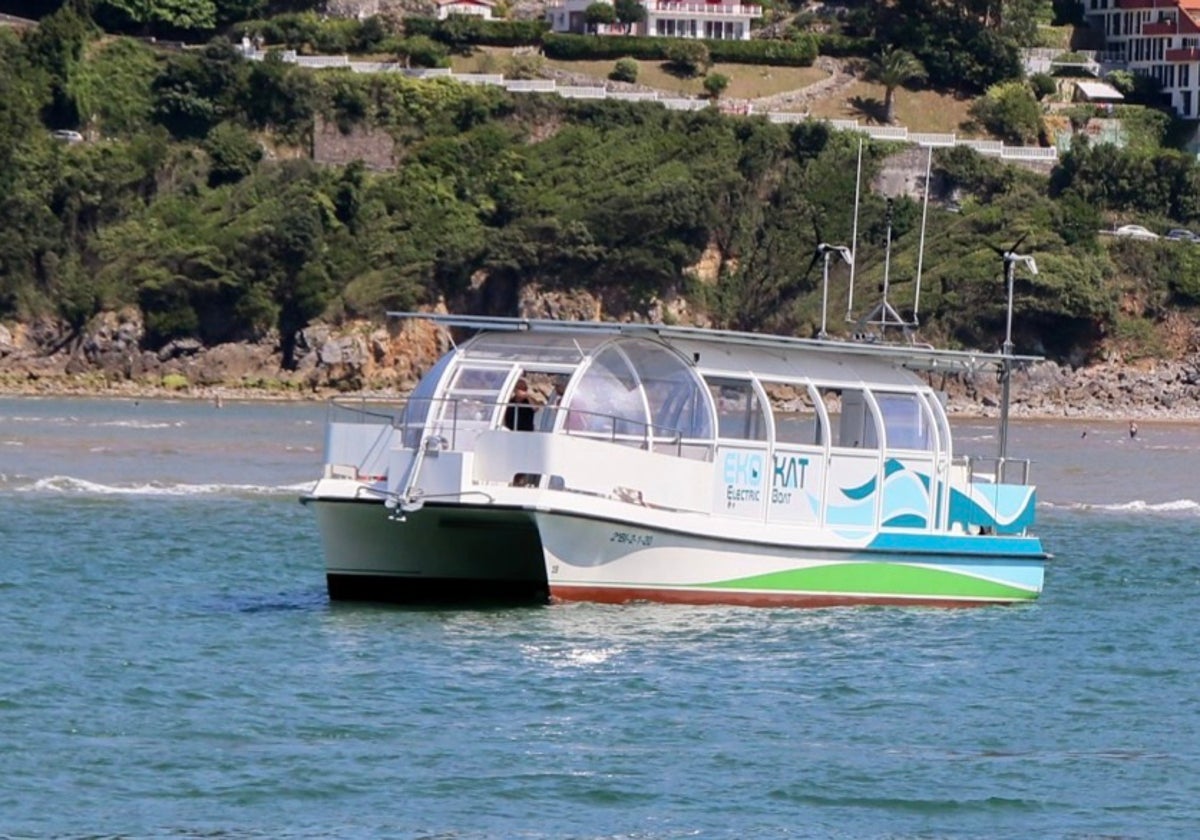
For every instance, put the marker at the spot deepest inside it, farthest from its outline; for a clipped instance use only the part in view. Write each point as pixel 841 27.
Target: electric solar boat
pixel 673 464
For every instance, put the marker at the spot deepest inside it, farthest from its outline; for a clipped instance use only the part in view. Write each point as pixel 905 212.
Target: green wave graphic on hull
pixel 878 579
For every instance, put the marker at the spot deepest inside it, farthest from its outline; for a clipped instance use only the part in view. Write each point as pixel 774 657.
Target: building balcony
pixel 1182 54
pixel 1166 27
pixel 1136 4
pixel 723 10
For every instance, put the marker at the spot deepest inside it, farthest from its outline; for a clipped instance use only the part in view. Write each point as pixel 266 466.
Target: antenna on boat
pixel 884 315
pixel 825 252
pixel 854 232
pixel 921 247
pixel 1010 258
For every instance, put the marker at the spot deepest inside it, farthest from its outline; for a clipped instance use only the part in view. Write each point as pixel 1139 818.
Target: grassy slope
pixel 919 110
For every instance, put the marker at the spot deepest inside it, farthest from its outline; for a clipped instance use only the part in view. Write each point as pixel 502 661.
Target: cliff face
pixel 107 358
pixel 108 355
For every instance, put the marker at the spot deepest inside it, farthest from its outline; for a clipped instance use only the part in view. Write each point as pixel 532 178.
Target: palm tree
pixel 892 68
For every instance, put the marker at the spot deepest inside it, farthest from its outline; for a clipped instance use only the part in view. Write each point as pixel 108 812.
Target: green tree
pixel 629 12
pixel 279 97
pixel 112 87
pixel 893 68
pixel 963 45
pixel 598 14
pixel 178 14
pixel 195 92
pixel 23 91
pixel 56 47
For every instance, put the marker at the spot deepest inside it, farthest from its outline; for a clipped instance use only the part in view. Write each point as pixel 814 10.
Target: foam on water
pixel 1135 506
pixel 138 424
pixel 67 484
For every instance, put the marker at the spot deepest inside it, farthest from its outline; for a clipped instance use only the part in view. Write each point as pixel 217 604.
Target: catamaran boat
pixel 673 464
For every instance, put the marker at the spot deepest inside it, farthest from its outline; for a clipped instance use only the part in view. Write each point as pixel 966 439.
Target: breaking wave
pixel 140 424
pixel 66 484
pixel 1188 506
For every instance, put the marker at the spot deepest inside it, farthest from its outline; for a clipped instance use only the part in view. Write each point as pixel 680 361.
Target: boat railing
pixel 364 410
pixel 998 470
pixel 611 428
pixel 455 415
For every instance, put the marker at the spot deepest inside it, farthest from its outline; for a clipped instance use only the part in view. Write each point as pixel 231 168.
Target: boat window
pixel 739 410
pixel 416 410
pixel 607 398
pixel 673 394
pixel 796 417
pixel 474 393
pixel 478 380
pixel 904 420
pixel 634 388
pixel 852 424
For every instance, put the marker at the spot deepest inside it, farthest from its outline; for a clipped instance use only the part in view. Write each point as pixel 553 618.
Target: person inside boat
pixel 519 414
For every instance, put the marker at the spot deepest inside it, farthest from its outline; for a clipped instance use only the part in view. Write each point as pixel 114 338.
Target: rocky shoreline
pixel 44 359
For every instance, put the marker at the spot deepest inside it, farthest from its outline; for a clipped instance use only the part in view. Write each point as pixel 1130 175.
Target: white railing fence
pixel 896 133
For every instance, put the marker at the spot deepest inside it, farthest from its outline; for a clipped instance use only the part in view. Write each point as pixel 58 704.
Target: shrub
pixel 715 84
pixel 421 51
pixel 625 70
pixel 1009 111
pixel 460 32
pixel 689 58
pixel 175 382
pixel 525 66
pixel 1043 85
pixel 800 53
pixel 579 47
pixel 844 46
pixel 233 152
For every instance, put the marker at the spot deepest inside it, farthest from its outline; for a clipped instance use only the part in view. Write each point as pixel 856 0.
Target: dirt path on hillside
pixel 841 77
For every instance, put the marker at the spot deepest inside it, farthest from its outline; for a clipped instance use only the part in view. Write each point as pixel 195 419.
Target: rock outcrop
pixel 109 357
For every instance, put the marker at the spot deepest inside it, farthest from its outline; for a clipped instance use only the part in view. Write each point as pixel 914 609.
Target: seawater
pixel 172 667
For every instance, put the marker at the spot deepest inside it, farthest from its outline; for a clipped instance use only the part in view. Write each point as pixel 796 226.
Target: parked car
pixel 1135 232
pixel 67 136
pixel 1182 235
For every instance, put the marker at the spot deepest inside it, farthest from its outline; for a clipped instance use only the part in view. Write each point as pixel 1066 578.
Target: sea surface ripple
pixel 173 668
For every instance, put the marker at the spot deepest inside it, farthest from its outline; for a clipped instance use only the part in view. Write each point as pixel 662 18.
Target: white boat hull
pixel 607 561
pixel 461 552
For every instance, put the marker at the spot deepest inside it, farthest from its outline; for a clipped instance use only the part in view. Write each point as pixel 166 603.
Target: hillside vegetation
pixel 193 199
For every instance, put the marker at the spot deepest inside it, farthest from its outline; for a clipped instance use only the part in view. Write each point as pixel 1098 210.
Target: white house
pixel 721 20
pixel 1158 38
pixel 477 8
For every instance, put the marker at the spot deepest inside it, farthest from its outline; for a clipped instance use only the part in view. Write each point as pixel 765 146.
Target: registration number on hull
pixel 631 538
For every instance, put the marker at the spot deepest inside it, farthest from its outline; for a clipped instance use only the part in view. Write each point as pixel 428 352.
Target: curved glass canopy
pixel 634 388
pixel 645 387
